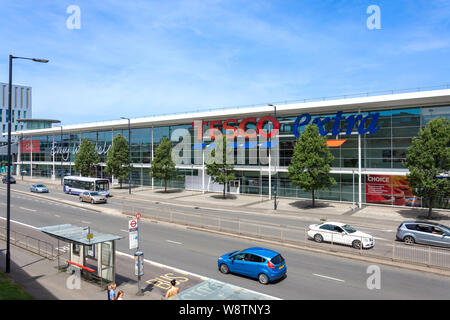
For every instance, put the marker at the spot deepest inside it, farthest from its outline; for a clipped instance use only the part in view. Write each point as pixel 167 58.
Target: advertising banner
pixel 392 190
pixel 30 146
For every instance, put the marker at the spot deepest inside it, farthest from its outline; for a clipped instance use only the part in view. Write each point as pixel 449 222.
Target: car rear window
pixel 410 226
pixel 277 259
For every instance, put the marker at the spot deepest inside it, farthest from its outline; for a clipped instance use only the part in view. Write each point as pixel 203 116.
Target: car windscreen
pixel 277 259
pixel 94 194
pixel 40 186
pixel 348 229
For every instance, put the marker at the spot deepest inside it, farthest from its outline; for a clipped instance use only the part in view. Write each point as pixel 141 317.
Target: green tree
pixel 117 162
pixel 311 162
pixel 220 171
pixel 162 166
pixel 86 159
pixel 428 158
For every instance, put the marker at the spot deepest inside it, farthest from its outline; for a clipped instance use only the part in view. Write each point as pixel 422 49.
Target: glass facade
pixel 385 149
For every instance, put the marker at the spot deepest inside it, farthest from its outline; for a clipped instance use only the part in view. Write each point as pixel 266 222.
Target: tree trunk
pixel 224 186
pixel 165 185
pixel 313 198
pixel 430 208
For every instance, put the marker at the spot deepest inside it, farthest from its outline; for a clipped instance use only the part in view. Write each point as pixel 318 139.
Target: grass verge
pixel 11 291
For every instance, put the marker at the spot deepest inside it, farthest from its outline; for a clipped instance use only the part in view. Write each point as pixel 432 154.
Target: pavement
pixel 257 204
pixel 42 280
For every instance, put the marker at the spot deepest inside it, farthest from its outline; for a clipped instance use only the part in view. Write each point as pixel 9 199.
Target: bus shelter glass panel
pixel 107 261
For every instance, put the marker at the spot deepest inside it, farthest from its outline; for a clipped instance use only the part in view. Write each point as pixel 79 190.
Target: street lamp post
pixel 276 158
pixel 61 145
pixel 8 189
pixel 129 154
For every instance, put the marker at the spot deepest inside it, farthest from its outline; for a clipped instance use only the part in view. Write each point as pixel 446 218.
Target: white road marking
pixel 124 230
pixel 27 209
pixel 87 222
pixel 326 277
pixel 58 216
pixel 173 242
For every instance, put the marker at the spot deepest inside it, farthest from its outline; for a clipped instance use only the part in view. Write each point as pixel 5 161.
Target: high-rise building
pixel 21 107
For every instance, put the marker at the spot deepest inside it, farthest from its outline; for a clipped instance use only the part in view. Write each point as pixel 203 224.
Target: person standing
pixel 119 295
pixel 173 290
pixel 112 292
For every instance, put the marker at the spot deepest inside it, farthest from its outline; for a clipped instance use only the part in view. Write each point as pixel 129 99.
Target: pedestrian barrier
pixel 38 246
pixel 384 249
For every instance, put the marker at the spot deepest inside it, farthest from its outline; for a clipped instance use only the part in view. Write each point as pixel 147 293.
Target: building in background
pixel 21 105
pixel 368 136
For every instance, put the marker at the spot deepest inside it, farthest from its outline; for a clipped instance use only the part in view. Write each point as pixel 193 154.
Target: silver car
pixel 38 188
pixel 428 233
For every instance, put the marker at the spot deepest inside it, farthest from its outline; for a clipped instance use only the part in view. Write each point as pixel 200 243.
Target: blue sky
pixel 142 58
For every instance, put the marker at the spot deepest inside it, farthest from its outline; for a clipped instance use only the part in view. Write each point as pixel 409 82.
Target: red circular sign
pixel 138 215
pixel 133 223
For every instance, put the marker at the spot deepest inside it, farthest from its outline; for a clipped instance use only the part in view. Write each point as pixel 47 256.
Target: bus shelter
pixel 92 252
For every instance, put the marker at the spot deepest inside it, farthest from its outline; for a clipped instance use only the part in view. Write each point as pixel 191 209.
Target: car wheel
pixel 92 201
pixel 224 268
pixel 356 244
pixel 81 199
pixel 318 238
pixel 409 240
pixel 263 279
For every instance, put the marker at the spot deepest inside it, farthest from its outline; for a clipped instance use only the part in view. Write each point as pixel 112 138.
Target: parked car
pixel 39 188
pixel 11 180
pixel 259 263
pixel 92 197
pixel 428 233
pixel 341 233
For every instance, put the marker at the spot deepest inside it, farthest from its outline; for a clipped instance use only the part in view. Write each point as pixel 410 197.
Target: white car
pixel 341 233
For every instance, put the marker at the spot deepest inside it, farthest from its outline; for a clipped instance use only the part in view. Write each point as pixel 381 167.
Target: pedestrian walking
pixel 173 290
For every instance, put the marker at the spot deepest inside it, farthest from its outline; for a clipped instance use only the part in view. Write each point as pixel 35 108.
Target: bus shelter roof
pixel 71 233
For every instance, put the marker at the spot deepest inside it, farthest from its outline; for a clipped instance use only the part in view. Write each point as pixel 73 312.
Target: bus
pixel 77 185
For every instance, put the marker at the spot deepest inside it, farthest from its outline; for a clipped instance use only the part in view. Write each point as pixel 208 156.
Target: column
pixel 53 159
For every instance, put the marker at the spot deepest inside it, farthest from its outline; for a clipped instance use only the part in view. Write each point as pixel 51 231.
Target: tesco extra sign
pixel 237 127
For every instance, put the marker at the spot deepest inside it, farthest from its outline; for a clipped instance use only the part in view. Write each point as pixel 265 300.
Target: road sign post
pixel 134 238
pixel 139 269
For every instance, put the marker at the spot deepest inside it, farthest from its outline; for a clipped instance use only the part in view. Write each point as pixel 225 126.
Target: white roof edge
pixel 401 99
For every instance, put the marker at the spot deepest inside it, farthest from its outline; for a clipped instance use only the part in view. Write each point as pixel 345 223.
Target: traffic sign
pixel 138 216
pixel 132 224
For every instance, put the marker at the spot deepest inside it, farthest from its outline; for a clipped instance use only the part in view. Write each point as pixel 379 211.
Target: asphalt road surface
pixel 310 275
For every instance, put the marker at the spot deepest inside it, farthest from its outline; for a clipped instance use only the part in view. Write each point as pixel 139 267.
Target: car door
pixel 338 235
pixel 325 232
pixel 85 196
pixel 253 264
pixel 237 263
pixel 438 237
pixel 423 234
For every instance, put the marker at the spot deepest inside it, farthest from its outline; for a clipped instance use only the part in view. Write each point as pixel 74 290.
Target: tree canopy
pixel 117 162
pixel 219 170
pixel 86 159
pixel 428 162
pixel 162 166
pixel 311 162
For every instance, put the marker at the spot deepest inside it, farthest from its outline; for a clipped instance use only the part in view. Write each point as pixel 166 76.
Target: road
pixel 310 275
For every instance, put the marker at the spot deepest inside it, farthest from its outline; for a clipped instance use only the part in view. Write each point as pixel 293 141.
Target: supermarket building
pixel 368 137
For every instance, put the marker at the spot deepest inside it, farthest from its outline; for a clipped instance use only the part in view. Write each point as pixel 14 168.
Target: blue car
pixel 259 263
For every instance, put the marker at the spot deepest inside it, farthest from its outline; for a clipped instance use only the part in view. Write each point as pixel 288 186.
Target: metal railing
pixel 391 250
pixel 37 246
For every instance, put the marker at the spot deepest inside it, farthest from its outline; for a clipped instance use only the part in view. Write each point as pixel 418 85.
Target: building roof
pixel 358 104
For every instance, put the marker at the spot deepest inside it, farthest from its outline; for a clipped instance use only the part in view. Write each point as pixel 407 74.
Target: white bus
pixel 77 185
